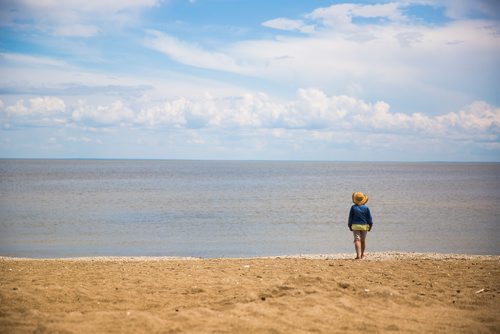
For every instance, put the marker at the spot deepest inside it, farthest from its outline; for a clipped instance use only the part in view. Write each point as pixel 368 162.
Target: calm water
pixel 60 208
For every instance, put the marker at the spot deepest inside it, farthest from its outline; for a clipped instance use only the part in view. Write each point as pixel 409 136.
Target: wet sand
pixel 411 293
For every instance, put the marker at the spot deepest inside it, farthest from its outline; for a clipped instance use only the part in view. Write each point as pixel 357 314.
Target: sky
pixel 408 80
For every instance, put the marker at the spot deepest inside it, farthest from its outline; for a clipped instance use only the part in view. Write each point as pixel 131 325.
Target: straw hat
pixel 359 198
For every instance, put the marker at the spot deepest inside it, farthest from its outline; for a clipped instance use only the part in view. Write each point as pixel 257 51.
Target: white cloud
pixel 340 16
pixel 38 111
pixel 114 114
pixel 288 24
pixel 82 139
pixel 87 5
pixel 311 109
pixel 409 38
pixel 38 106
pixel 311 122
pixel 170 113
pixel 77 18
pixel 190 54
pixel 478 116
pixel 30 60
pixel 247 110
pixel 28 75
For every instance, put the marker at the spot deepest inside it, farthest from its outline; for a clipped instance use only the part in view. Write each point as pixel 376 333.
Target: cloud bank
pixel 311 109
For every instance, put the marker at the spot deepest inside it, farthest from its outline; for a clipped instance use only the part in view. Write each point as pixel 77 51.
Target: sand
pixel 411 293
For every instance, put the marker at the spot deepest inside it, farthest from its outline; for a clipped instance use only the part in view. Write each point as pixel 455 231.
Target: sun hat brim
pixel 359 198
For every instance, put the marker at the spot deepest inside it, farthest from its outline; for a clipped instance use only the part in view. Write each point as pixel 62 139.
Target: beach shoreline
pixel 371 256
pixel 328 293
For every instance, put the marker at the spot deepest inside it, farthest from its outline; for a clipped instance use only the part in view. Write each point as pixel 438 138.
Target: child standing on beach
pixel 360 222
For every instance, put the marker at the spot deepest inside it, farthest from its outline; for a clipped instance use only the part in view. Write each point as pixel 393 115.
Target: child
pixel 360 222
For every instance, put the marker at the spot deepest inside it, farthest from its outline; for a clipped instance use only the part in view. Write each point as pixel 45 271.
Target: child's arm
pixel 370 221
pixel 351 214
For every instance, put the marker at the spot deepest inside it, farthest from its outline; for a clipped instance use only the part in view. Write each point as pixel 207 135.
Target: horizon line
pixel 251 160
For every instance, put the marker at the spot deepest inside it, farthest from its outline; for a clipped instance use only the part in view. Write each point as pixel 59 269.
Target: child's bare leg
pixel 357 246
pixel 363 246
pixel 363 243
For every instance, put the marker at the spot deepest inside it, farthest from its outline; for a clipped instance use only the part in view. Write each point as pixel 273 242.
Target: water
pixel 65 208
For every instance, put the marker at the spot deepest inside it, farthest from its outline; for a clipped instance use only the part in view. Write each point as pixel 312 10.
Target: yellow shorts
pixel 360 227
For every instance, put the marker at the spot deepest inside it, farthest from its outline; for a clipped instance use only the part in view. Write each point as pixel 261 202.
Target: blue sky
pixel 224 79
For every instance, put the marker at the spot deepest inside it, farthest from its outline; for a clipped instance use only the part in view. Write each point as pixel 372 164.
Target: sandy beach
pixel 406 292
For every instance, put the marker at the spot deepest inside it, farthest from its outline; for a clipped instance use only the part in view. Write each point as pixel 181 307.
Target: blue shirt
pixel 360 214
